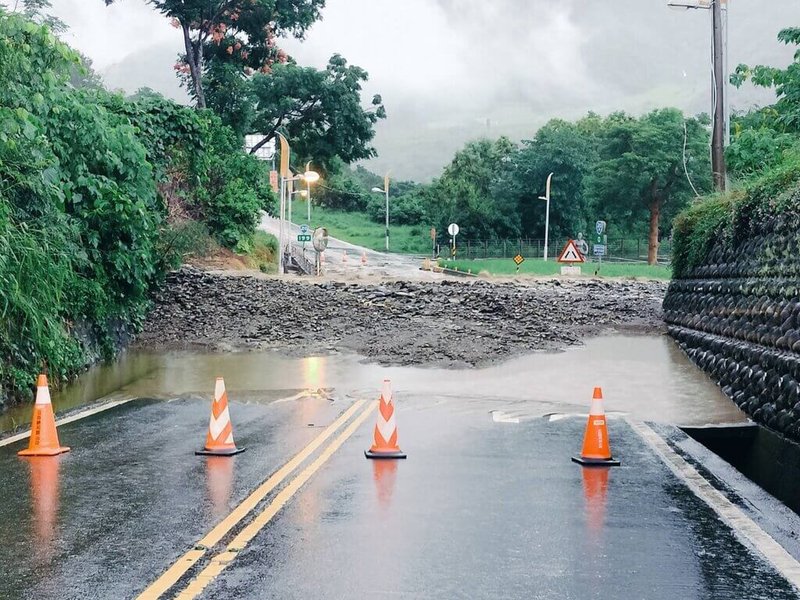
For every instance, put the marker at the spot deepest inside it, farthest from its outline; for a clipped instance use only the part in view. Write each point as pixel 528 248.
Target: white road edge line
pixel 743 526
pixel 70 419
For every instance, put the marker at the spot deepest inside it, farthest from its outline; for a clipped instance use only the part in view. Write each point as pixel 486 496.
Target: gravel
pixel 452 323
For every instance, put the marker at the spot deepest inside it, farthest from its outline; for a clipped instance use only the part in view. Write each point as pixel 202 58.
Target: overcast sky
pixel 453 70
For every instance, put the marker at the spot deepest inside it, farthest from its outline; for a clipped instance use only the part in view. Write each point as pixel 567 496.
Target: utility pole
pixel 721 124
pixel 718 133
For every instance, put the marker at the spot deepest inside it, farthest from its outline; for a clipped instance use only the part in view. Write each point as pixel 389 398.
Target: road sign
pixel 452 229
pixel 304 229
pixel 519 259
pixel 599 250
pixel 570 254
pixel 304 237
pixel 600 227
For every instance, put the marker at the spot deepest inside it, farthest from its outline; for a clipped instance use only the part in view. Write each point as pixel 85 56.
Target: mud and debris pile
pixel 444 323
pixel 737 316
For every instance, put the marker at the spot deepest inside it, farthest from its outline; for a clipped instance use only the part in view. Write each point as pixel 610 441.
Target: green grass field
pixel 501 266
pixel 357 228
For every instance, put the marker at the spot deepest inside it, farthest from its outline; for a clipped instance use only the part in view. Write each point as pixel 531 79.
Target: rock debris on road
pixel 445 323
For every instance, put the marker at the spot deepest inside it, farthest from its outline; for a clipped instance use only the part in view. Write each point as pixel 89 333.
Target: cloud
pixel 451 70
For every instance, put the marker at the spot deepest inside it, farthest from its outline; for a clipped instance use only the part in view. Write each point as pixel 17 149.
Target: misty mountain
pixel 450 71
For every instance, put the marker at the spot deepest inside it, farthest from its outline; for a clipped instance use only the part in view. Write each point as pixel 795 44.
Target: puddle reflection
pixel 595 491
pixel 44 481
pixel 384 473
pixel 219 481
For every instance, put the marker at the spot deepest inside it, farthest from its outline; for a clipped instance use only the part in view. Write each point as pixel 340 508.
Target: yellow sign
pixel 519 259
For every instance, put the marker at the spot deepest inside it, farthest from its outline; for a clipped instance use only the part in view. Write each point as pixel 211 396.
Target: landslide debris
pixel 457 323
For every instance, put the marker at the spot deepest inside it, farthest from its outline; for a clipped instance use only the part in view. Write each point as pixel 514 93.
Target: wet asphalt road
pixel 479 510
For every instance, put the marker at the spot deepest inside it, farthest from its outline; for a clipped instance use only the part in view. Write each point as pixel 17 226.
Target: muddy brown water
pixel 644 376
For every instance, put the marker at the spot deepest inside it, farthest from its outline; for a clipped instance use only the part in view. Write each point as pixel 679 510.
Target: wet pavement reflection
pixel 481 508
pixel 44 484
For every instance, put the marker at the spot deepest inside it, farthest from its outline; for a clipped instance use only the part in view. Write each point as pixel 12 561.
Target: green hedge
pixel 735 216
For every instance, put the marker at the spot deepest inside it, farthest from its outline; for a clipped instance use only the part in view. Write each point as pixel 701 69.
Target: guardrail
pixel 623 249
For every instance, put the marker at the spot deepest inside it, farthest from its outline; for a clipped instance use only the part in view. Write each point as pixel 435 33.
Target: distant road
pixel 378 263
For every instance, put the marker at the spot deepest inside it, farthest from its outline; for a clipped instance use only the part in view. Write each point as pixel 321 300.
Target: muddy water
pixel 646 377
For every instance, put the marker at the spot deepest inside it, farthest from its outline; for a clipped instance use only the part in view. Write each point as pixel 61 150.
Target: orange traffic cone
pixel 219 440
pixel 596 451
pixel 364 258
pixel 385 445
pixel 44 437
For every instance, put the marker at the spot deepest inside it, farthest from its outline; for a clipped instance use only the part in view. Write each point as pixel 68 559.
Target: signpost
pixel 433 242
pixel 571 256
pixel 453 230
pixel 304 236
pixel 320 242
pixel 600 247
pixel 518 260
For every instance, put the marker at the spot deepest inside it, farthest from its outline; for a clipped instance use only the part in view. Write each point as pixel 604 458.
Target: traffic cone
pixel 219 440
pixel 596 451
pixel 385 445
pixel 364 258
pixel 44 437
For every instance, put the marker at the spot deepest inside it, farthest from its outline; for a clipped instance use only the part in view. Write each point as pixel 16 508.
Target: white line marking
pixel 70 419
pixel 743 526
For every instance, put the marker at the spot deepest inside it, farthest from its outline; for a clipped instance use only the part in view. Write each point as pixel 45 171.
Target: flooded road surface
pixel 484 507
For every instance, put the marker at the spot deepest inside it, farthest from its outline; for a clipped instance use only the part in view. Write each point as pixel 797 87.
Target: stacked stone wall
pixel 737 316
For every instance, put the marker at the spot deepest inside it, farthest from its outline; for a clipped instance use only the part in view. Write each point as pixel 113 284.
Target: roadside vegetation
pixel 506 266
pixel 102 194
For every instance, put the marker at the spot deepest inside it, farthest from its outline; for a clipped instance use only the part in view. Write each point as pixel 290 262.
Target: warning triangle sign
pixel 571 254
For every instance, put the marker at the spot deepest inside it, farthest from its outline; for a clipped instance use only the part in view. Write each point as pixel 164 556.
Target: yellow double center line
pixel 171 576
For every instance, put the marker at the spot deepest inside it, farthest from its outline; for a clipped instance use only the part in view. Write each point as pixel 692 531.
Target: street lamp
pixel 546 198
pixel 385 190
pixel 309 177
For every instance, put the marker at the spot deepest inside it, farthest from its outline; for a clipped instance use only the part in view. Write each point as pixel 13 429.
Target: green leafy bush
pixel 89 183
pixel 735 216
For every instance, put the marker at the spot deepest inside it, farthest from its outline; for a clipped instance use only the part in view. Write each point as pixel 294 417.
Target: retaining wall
pixel 737 316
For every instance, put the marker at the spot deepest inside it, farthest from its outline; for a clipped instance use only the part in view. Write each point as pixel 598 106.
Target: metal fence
pixel 617 249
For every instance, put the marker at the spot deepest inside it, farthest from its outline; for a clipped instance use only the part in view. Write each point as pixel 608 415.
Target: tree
pixel 786 111
pixel 645 167
pixel 762 137
pixel 37 11
pixel 319 111
pixel 567 151
pixel 465 193
pixel 241 32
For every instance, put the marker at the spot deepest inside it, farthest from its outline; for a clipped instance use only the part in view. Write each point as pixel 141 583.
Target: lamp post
pixel 309 177
pixel 546 198
pixel 385 190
